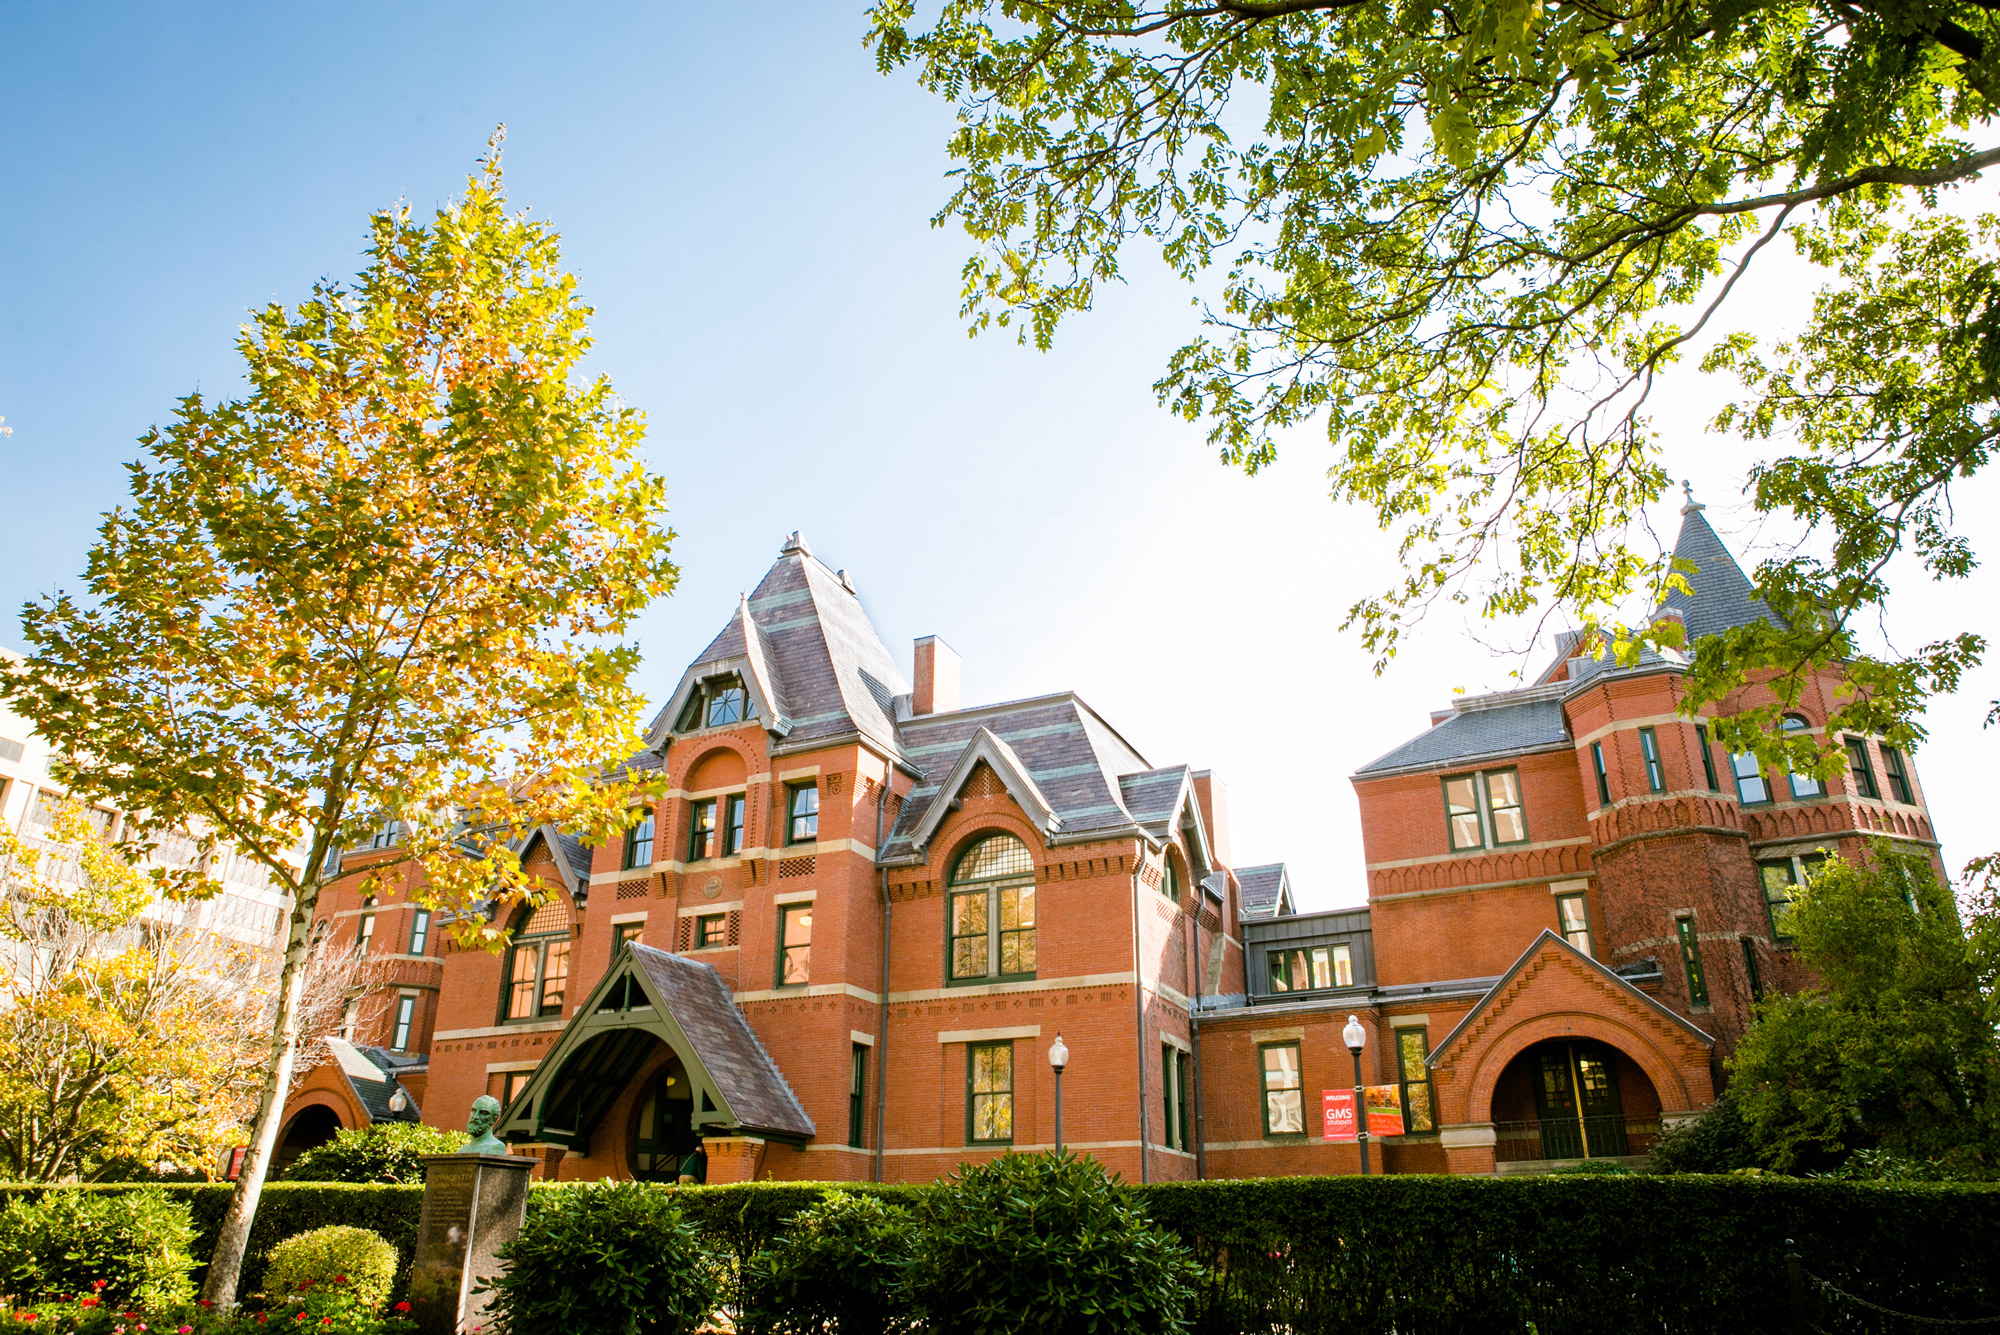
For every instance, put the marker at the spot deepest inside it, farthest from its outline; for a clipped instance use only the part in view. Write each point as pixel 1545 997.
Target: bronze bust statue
pixel 479 1126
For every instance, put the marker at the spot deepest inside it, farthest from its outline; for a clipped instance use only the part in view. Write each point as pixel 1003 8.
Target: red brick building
pixel 843 944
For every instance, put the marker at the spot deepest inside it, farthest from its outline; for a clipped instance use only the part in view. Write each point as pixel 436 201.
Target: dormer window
pixel 717 702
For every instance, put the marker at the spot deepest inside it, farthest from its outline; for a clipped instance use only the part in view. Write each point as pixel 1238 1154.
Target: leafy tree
pixel 1474 235
pixel 128 1038
pixel 379 1152
pixel 839 1267
pixel 385 584
pixel 1897 1050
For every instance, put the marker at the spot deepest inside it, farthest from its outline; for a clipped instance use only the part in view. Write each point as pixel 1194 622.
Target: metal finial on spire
pixel 1692 505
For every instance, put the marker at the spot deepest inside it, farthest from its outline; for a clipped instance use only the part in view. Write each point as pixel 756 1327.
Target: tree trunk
pixel 225 1267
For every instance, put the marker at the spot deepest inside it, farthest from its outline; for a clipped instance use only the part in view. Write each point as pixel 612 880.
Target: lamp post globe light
pixel 1058 1058
pixel 1357 1038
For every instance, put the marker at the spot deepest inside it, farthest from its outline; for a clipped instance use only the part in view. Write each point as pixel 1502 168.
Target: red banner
pixel 1385 1112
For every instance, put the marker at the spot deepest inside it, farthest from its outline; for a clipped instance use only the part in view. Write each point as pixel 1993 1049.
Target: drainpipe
pixel 882 1023
pixel 1139 1014
pixel 1194 1028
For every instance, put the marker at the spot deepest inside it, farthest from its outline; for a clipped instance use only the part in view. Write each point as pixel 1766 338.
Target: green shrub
pixel 1590 1168
pixel 136 1242
pixel 839 1267
pixel 379 1152
pixel 1046 1243
pixel 605 1259
pixel 337 1255
pixel 1715 1142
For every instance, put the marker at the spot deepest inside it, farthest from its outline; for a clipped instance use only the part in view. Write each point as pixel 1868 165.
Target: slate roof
pixel 1073 756
pixel 1261 892
pixel 371 1073
pixel 1722 598
pixel 724 1044
pixel 1496 729
pixel 1153 797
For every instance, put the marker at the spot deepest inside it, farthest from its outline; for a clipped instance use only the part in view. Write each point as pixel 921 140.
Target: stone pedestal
pixel 474 1205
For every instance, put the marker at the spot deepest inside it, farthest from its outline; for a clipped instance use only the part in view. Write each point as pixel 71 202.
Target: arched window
pixel 537 963
pixel 1803 785
pixel 992 914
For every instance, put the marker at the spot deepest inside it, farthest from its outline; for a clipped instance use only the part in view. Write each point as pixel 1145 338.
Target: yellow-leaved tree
pixel 385 583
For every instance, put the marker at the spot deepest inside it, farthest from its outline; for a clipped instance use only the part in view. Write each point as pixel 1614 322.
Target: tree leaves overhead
pixel 1470 236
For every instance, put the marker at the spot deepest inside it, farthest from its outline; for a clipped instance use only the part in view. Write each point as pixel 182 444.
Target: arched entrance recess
pixel 311 1126
pixel 1573 1098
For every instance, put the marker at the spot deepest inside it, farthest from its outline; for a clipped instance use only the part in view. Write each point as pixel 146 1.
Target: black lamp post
pixel 1357 1038
pixel 1058 1058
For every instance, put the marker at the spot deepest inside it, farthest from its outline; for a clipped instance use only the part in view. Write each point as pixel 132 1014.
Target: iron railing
pixel 1608 1136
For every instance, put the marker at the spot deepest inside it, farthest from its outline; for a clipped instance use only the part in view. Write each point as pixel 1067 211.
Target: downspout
pixel 882 1022
pixel 1139 1014
pixel 1194 1027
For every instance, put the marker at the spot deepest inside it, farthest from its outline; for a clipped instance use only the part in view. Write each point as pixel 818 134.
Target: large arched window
pixel 537 963
pixel 1803 785
pixel 992 920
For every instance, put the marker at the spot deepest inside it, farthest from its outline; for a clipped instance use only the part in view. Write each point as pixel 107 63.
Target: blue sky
pixel 746 204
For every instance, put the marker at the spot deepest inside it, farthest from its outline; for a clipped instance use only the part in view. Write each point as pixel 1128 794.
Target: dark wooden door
pixel 1576 1097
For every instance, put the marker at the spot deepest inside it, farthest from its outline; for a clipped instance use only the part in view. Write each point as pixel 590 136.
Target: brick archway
pixel 1659 1066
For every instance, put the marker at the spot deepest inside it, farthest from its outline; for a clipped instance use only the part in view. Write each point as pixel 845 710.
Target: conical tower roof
pixel 1721 596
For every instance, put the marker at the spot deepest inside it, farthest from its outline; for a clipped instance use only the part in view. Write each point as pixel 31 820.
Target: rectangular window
pixel 1779 877
pixel 1864 773
pixel 711 930
pixel 511 1085
pixel 802 807
pixel 1309 968
pixel 1751 789
pixel 1183 1083
pixel 1175 1074
pixel 1343 966
pixel 1691 960
pixel 1461 812
pixel 993 932
pixel 1573 919
pixel 366 937
pixel 420 931
pixel 1898 775
pixel 701 830
pixel 11 751
pixel 350 1020
pixel 1649 747
pixel 989 1093
pixel 795 928
pixel 1412 1045
pixel 1484 810
pixel 857 1087
pixel 1750 970
pixel 732 826
pixel 555 977
pixel 639 843
pixel 624 932
pixel 1603 779
pixel 1284 1090
pixel 521 982
pixel 1707 757
pixel 406 1010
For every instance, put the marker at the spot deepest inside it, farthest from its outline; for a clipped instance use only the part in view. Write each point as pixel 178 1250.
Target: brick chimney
pixel 935 678
pixel 1212 796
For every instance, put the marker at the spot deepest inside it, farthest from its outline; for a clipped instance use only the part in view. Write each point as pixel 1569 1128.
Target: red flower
pixel 262 1317
pixel 402 1307
pixel 88 1302
pixel 98 1283
pixel 326 1321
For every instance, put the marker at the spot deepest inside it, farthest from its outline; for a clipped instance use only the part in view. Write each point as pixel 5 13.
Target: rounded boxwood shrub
pixel 839 1267
pixel 380 1152
pixel 360 1259
pixel 137 1243
pixel 605 1259
pixel 1045 1243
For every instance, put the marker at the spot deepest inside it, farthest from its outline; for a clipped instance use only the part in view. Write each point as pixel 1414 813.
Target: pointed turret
pixel 1721 596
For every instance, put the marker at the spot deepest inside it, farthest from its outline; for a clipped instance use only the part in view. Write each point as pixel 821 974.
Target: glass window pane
pixel 1343 966
pixel 796 945
pixel 1017 951
pixel 1503 788
pixel 1461 806
pixel 1287 1112
pixel 1503 800
pixel 1750 787
pixel 521 982
pixel 555 976
pixel 1281 978
pixel 1509 827
pixel 1322 967
pixel 968 958
pixel 732 832
pixel 996 856
pixel 805 814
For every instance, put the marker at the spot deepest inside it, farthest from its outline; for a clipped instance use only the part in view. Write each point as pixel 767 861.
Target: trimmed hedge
pixel 1424 1255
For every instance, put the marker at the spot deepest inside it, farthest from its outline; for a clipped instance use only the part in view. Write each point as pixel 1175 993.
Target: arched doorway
pixel 665 1133
pixel 1569 1099
pixel 312 1126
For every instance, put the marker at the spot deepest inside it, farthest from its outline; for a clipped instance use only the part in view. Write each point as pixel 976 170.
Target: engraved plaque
pixel 712 888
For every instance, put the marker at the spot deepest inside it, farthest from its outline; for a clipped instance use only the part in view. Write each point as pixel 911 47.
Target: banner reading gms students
pixel 1385 1112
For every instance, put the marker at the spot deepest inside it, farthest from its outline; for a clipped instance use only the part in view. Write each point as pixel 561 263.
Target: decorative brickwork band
pixel 791 867
pixel 631 889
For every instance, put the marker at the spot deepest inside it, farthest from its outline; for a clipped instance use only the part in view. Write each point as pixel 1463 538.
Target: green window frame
pixel 1484 809
pixel 1573 921
pixel 1413 1047
pixel 1864 772
pixel 990 913
pixel 795 944
pixel 802 813
pixel 1897 771
pixel 1781 878
pixel 420 931
pixel 989 1093
pixel 719 702
pixel 537 977
pixel 1802 785
pixel 639 842
pixel 732 825
pixel 701 830
pixel 623 932
pixel 1750 969
pixel 364 933
pixel 1311 968
pixel 1707 757
pixel 1174 1072
pixel 1170 882
pixel 1649 748
pixel 711 930
pixel 406 1014
pixel 1283 1089
pixel 1690 943
pixel 1751 788
pixel 857 1092
pixel 1603 779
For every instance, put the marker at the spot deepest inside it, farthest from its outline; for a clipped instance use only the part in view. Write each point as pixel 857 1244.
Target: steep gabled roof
pixel 987 749
pixel 1163 800
pixel 1072 757
pixel 371 1075
pixel 1721 597
pixel 1264 892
